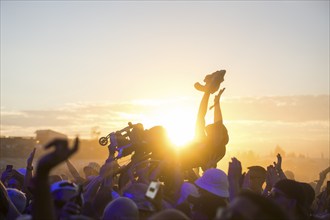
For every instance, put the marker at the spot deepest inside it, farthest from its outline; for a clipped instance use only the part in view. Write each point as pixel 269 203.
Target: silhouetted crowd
pixel 160 182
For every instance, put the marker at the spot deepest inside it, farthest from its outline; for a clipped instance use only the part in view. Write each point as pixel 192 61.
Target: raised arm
pixel 43 206
pixel 323 175
pixel 217 109
pixel 74 172
pixel 29 174
pixel 7 208
pixel 200 123
pixel 234 177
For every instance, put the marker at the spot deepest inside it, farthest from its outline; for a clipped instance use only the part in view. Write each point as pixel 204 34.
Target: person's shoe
pixel 212 82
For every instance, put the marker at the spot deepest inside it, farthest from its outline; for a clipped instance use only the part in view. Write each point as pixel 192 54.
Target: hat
pixel 22 171
pixel 214 181
pixel 93 165
pixel 63 185
pixel 187 189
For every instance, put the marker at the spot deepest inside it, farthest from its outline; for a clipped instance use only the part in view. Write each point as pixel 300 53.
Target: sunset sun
pixel 180 126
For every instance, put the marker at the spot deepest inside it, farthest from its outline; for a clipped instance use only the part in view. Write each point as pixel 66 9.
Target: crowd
pixel 160 183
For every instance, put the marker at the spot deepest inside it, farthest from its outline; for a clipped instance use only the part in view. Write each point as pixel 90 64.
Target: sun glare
pixel 177 117
pixel 180 126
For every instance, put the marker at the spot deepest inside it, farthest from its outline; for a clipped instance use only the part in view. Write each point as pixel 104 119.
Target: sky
pixel 74 65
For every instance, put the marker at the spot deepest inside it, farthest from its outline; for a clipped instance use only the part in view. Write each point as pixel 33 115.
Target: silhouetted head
pixel 257 178
pixel 251 206
pixel 121 208
pixel 92 169
pixel 157 140
pixel 217 133
pixel 156 134
pixel 290 195
pixel 289 174
pixel 172 214
pixel 136 192
pixel 63 192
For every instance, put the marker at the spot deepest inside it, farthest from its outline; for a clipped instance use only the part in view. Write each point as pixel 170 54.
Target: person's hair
pixel 258 169
pixel 268 210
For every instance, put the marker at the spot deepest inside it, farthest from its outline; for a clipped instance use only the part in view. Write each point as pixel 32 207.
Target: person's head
pixel 18 198
pixel 257 176
pixel 167 214
pixel 120 209
pixel 54 178
pixel 92 169
pixel 217 132
pixel 157 135
pixel 187 189
pixel 289 194
pixel 214 181
pixel 157 141
pixel 289 174
pixel 136 192
pixel 251 206
pixel 15 183
pixel 214 192
pixel 22 171
pixel 63 192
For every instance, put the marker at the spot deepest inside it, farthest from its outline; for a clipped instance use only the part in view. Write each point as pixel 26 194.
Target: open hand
pixel 234 170
pixel 278 164
pixel 29 161
pixel 324 173
pixel 61 153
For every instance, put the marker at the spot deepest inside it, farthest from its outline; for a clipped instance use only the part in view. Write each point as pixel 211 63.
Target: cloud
pixel 280 108
pixel 263 113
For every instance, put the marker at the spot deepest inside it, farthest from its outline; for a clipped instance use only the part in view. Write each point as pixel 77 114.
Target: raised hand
pixel 278 164
pixel 234 177
pixel 324 173
pixel 271 177
pixel 61 153
pixel 217 98
pixel 234 170
pixel 29 161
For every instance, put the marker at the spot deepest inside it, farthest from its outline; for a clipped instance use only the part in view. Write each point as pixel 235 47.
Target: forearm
pixel 27 179
pixel 73 171
pixel 200 123
pixel 319 185
pixel 103 197
pixel 217 113
pixel 91 189
pixel 43 205
pixel 234 189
